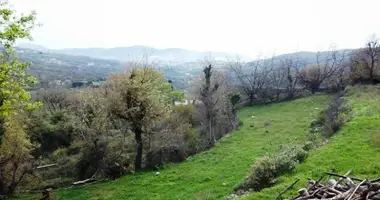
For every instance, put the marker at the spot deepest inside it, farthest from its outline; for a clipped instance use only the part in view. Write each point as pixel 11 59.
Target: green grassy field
pixel 356 146
pixel 214 173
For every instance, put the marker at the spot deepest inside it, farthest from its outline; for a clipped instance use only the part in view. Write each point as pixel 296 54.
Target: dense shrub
pixel 267 168
pixel 176 137
pixel 334 116
pixel 165 155
pixel 51 130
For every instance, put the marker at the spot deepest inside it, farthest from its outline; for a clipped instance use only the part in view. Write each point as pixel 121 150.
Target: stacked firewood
pixel 338 187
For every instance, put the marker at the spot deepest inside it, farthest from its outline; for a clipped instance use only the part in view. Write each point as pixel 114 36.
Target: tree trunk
pixel 211 133
pixel 372 78
pixel 139 150
pixel 314 87
pixel 2 183
pixel 251 98
pixel 278 95
pixel 2 188
pixel 290 95
pixel 12 188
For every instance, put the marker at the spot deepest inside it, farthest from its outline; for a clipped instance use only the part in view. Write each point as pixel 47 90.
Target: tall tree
pixel 15 147
pixel 140 97
pixel 291 78
pixel 253 77
pixel 365 64
pixel 209 101
pixel 313 76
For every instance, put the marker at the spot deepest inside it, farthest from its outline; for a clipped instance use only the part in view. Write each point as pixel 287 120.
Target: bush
pixel 164 155
pixel 334 116
pixel 267 168
pixel 308 145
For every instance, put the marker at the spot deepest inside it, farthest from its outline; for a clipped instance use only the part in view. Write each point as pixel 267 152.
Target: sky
pixel 248 27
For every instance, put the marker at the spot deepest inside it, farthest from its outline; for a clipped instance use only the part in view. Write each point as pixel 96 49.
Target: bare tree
pixel 253 77
pixel 339 80
pixel 365 66
pixel 54 99
pixel 313 76
pixel 290 67
pixel 277 77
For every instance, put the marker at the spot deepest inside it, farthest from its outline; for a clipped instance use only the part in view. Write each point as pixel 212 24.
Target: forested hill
pixel 54 69
pixel 62 70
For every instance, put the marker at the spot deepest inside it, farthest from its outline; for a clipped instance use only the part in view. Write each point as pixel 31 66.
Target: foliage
pixel 354 140
pixel 267 168
pixel 234 98
pixel 177 137
pixel 15 101
pixel 334 116
pixel 50 130
pixel 216 171
pixel 140 97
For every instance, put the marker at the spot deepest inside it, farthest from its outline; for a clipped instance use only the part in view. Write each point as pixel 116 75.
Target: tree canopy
pixel 15 145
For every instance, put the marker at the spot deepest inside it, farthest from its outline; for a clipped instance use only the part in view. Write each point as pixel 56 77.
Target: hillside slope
pixel 356 146
pixel 213 174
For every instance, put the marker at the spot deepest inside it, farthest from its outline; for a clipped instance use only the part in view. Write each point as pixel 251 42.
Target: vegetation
pixel 139 98
pixel 352 146
pixel 91 128
pixel 15 147
pixel 214 173
pixel 266 169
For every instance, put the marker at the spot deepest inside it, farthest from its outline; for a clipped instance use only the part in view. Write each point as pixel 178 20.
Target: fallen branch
pixel 286 189
pixel 89 180
pixel 344 188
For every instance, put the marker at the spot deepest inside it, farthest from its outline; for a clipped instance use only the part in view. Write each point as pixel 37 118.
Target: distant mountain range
pixel 137 52
pixel 58 66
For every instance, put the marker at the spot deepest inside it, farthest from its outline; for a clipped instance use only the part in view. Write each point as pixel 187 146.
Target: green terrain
pixel 215 173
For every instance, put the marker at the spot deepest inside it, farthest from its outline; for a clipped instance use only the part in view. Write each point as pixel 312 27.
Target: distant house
pixel 186 101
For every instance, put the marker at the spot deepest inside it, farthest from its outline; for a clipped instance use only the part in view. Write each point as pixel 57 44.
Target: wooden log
pixel 46 166
pixel 343 177
pixel 316 183
pixel 334 190
pixel 89 180
pixel 357 187
pixel 375 180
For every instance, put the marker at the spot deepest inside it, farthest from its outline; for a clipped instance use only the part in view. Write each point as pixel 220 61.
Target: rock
pixel 331 182
pixel 314 123
pixel 303 192
pixel 224 184
pixel 157 173
pixel 207 179
pixel 267 123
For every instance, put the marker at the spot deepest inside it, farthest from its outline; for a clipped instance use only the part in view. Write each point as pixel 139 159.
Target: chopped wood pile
pixel 338 187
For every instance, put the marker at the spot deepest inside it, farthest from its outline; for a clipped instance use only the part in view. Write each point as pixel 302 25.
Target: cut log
pixel 89 180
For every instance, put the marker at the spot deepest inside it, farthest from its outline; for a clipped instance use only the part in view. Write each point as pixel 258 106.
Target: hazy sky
pixel 242 26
